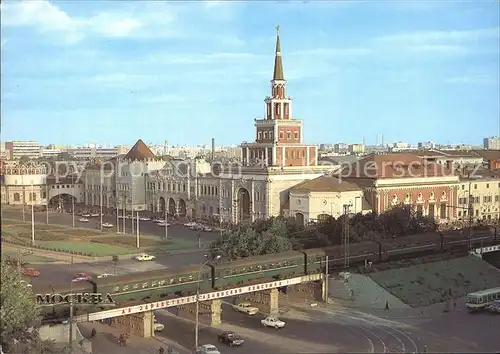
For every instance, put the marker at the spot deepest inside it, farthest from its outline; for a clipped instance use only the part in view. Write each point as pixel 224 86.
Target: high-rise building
pixel 18 149
pixel 492 143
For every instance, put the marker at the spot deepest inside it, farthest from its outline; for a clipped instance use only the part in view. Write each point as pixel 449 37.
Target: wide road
pixel 334 328
pixel 62 273
pixel 306 330
pixel 147 227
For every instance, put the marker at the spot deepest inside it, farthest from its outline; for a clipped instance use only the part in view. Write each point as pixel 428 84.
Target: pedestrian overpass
pixel 139 318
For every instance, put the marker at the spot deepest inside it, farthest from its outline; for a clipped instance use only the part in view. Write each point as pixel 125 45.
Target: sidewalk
pixel 106 341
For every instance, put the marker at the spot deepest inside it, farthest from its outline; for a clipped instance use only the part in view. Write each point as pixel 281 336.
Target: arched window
pixel 17 197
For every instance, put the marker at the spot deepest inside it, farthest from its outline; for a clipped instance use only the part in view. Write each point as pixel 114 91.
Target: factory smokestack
pixel 213 149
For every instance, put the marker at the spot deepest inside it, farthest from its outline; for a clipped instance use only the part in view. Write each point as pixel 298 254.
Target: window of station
pixel 282 135
pixel 289 135
pixel 264 135
pixel 270 135
pixel 259 135
pixel 296 135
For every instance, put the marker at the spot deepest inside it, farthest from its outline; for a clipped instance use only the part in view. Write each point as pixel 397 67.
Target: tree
pixel 255 239
pixel 18 314
pixel 24 159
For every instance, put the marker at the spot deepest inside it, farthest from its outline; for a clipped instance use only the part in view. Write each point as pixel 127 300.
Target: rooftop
pixel 139 152
pixel 325 183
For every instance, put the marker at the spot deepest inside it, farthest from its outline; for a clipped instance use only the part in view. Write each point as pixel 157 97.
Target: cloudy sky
pixel 78 72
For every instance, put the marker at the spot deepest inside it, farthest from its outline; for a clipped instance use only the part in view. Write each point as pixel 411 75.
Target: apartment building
pixel 492 143
pixel 17 149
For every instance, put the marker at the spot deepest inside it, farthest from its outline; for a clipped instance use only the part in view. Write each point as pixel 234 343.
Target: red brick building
pixel 389 180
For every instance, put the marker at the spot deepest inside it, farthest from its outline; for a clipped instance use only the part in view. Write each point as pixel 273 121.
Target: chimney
pixel 213 149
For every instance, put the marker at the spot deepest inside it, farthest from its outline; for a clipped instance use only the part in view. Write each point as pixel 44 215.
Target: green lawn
pixel 96 249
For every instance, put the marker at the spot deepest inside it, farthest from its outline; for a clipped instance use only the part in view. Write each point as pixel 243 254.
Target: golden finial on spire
pixel 278 29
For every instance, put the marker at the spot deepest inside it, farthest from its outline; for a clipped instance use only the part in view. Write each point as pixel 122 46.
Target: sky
pixel 79 72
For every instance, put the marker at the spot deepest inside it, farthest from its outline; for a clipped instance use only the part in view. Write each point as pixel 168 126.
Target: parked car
pixel 104 275
pixel 83 220
pixel 107 225
pixel 273 321
pixel 206 349
pixel 247 308
pixel 190 224
pixel 145 257
pixel 230 338
pixel 31 272
pixel 94 215
pixel 143 218
pixel 86 215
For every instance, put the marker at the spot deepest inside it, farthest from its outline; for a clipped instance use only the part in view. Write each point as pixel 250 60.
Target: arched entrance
pixel 61 201
pixel 161 205
pixel 182 207
pixel 300 218
pixel 171 207
pixel 17 197
pixel 324 217
pixel 193 213
pixel 243 204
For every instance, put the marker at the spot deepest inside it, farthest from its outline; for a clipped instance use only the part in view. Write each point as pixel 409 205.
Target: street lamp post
pixel 32 215
pixel 197 322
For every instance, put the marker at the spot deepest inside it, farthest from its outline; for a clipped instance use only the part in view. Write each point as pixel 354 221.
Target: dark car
pixel 230 338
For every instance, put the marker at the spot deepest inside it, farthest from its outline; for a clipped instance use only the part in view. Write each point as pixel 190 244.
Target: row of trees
pixel 19 316
pixel 279 234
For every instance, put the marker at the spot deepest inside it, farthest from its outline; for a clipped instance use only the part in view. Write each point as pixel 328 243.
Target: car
pixel 86 215
pixel 145 257
pixel 83 220
pixel 273 321
pixel 207 229
pixel 230 338
pixel 157 326
pixel 190 224
pixel 206 349
pixel 31 272
pixel 143 218
pixel 247 308
pixel 107 225
pixel 162 224
pixel 81 277
pixel 104 275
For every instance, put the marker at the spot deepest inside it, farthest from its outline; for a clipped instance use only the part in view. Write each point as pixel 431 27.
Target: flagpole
pixel 100 197
pixel 47 199
pixel 32 215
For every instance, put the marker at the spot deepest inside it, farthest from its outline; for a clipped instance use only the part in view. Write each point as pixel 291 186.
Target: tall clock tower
pixel 278 137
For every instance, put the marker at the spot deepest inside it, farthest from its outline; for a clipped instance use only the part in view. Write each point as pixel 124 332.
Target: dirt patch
pixel 81 232
pixel 426 284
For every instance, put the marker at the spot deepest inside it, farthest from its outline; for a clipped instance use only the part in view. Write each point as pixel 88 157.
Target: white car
pixel 83 220
pixel 206 349
pixel 273 321
pixel 157 326
pixel 190 224
pixel 95 215
pixel 144 218
pixel 104 275
pixel 207 229
pixel 162 224
pixel 145 257
pixel 247 308
pixel 86 215
pixel 107 225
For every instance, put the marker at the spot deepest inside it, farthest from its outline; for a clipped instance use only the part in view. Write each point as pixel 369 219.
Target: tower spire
pixel 278 63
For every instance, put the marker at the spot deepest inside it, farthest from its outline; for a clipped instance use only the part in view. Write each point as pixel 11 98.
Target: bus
pixel 480 299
